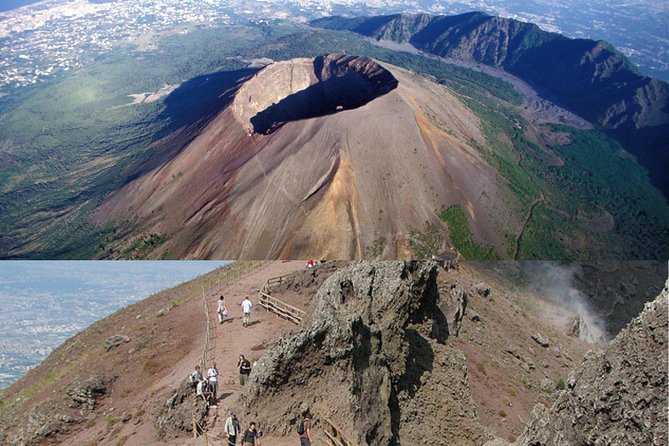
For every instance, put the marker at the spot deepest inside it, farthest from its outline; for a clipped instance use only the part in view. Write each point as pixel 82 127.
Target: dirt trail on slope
pixel 232 339
pixel 149 392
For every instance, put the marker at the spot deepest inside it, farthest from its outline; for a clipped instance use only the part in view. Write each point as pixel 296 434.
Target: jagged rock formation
pixel 592 77
pixel 365 359
pixel 176 417
pixel 616 397
pixel 85 393
pixel 453 303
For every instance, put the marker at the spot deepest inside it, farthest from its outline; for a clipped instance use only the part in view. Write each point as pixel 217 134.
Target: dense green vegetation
pixel 75 138
pixel 462 238
pixel 597 184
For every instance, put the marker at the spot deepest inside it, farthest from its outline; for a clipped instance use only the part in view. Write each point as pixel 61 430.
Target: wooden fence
pixel 334 436
pixel 281 308
pixel 276 306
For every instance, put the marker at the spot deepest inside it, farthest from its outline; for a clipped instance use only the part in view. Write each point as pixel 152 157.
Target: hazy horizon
pixel 46 302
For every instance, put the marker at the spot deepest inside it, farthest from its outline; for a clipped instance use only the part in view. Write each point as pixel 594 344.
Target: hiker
pixel 196 377
pixel 250 437
pixel 246 309
pixel 212 373
pixel 204 392
pixel 231 429
pixel 222 311
pixel 304 430
pixel 244 367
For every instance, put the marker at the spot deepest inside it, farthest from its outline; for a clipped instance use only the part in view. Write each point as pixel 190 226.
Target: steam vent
pixel 308 88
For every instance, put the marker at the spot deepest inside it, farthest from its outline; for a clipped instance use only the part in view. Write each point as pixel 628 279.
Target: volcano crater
pixel 308 88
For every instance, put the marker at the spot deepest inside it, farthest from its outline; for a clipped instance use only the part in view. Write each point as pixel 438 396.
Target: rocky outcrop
pixel 176 417
pixel 85 393
pixel 115 341
pixel 617 397
pixel 365 359
pixel 42 426
pixel 453 303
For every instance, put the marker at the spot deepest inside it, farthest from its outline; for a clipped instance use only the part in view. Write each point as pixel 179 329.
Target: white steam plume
pixel 556 282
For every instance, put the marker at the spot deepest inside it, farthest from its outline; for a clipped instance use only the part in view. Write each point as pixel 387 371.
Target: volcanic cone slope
pixel 318 158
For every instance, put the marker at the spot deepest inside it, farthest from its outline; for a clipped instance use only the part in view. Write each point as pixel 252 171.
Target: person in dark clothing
pixel 244 367
pixel 250 437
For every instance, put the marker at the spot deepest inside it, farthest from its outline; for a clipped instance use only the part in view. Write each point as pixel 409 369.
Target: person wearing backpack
pixel 304 430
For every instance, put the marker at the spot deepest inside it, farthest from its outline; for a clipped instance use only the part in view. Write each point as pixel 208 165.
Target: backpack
pixel 300 428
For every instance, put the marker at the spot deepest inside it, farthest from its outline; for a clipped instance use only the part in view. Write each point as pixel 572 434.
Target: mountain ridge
pixel 591 77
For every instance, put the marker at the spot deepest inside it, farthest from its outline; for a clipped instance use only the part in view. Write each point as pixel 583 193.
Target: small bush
pixel 481 368
pixel 560 385
pixel 502 414
pixel 151 366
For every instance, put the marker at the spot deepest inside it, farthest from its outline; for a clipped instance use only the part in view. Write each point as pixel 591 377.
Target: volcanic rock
pixel 176 417
pixel 615 397
pixel 370 339
pixel 85 393
pixel 115 341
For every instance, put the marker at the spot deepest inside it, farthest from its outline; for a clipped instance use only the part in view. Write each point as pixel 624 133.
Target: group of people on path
pixel 251 436
pixel 232 431
pixel 223 312
pixel 206 387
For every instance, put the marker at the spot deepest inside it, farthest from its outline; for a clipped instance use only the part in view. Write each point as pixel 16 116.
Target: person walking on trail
pixel 246 311
pixel 196 377
pixel 231 429
pixel 304 430
pixel 244 367
pixel 222 311
pixel 250 437
pixel 212 374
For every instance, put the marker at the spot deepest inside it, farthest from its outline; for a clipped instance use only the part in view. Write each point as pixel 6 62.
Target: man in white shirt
pixel 231 429
pixel 212 373
pixel 246 311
